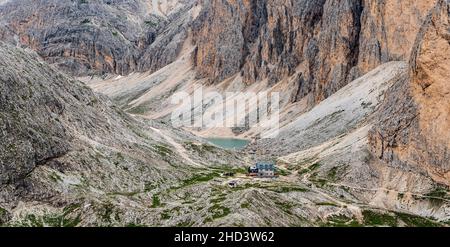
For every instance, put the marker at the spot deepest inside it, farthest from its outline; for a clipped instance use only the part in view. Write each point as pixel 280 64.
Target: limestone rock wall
pixel 321 44
pixel 389 30
pixel 324 43
pixel 95 36
pixel 413 128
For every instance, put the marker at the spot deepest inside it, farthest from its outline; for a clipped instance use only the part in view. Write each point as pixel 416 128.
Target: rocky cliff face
pixel 322 45
pixel 389 30
pixel 325 44
pixel 396 155
pixel 50 120
pixel 63 144
pixel 99 36
pixel 413 126
pixel 72 157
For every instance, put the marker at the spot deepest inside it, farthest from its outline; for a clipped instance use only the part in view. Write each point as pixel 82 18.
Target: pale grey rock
pixel 96 36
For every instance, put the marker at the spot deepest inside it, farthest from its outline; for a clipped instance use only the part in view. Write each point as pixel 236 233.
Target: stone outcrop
pixel 413 127
pixel 272 40
pixel 96 37
pixel 64 145
pixel 50 122
pixel 389 29
pixel 322 45
pixel 71 155
pixel 169 40
pixel 325 44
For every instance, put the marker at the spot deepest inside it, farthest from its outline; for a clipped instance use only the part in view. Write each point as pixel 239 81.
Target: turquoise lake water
pixel 229 143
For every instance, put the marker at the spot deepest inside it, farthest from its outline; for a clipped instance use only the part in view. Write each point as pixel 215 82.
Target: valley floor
pixel 328 175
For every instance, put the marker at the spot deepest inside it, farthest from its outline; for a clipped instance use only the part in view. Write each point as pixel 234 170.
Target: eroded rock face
pixel 63 146
pixel 80 35
pixel 413 130
pixel 50 120
pixel 98 36
pixel 325 43
pixel 169 40
pixel 271 39
pixel 389 29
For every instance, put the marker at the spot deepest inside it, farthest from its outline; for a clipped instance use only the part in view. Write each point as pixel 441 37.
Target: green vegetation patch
pixel 417 221
pixel 218 199
pixel 303 171
pixel 50 220
pixel 314 166
pixel 140 109
pixel 372 218
pixel 163 150
pixel 230 170
pixel 336 172
pixel 151 23
pixel 285 207
pixel 439 192
pixel 166 215
pixel 3 212
pixel 185 224
pixel 286 189
pixel 126 194
pixel 71 208
pixel 200 148
pixel 3 216
pixel 318 180
pixel 330 204
pixel 199 178
pixel 279 188
pixel 309 169
pixel 156 201
pixel 305 162
pixel 219 211
pixel 341 221
pixel 55 177
pixel 134 225
pixel 106 212
pixel 55 220
pixel 150 186
pixel 283 172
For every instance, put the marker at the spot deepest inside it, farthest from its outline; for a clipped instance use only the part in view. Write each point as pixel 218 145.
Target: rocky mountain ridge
pixel 363 136
pixel 413 126
pixel 323 44
pixel 98 36
pixel 63 144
